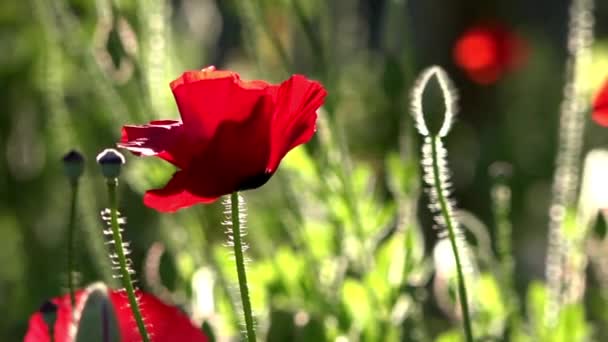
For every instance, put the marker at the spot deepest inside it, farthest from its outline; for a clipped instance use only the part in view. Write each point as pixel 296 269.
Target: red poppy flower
pixel 600 106
pixel 485 52
pixel 232 134
pixel 164 322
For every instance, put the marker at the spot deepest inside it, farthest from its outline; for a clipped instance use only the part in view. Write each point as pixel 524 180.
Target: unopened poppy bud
pixel 49 313
pixel 110 161
pixel 98 320
pixel 433 102
pixel 73 165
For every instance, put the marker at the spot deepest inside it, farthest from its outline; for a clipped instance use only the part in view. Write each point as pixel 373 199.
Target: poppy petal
pixel 600 106
pixel 294 117
pixel 235 159
pixel 38 330
pixel 175 195
pixel 164 139
pixel 234 134
pixel 206 99
pixel 163 322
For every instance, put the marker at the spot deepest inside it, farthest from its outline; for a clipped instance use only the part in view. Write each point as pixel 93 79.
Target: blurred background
pixel 72 72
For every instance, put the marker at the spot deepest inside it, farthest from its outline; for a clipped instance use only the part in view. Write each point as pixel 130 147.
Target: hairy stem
pixel 462 290
pixel 71 228
pixel 240 266
pixel 122 260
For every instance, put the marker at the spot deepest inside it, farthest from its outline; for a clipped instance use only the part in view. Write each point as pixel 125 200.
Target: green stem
pixel 240 266
pixel 462 290
pixel 122 260
pixel 71 228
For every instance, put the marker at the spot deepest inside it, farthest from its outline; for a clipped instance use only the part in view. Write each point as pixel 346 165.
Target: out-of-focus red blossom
pixel 232 134
pixel 164 323
pixel 487 51
pixel 600 106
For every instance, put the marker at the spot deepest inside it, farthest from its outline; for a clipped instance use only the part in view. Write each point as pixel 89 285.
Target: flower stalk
pixel 567 161
pixel 73 167
pixel 240 266
pixel 432 84
pixel 125 274
pixel 111 161
pixel 451 228
pixel 71 228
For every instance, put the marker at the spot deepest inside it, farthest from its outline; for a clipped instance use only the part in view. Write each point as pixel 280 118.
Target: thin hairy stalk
pixel 156 41
pixel 433 84
pixel 71 229
pixel 125 274
pixel 570 144
pixel 211 259
pixel 501 203
pixel 447 217
pixel 240 266
pixel 501 195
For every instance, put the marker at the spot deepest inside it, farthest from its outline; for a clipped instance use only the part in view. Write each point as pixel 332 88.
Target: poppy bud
pixel 49 313
pixel 110 161
pixel 98 321
pixel 433 102
pixel 73 165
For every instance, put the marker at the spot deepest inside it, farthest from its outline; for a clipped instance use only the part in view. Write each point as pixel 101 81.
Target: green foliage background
pixel 340 238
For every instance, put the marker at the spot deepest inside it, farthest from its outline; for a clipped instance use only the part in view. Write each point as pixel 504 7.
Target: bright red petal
pixel 164 139
pixel 600 106
pixel 175 195
pixel 235 159
pixel 164 323
pixel 294 117
pixel 38 331
pixel 207 98
pixel 234 134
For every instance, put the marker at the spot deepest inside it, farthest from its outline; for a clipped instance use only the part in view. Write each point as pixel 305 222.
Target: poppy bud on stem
pixel 111 162
pixel 431 83
pixel 73 163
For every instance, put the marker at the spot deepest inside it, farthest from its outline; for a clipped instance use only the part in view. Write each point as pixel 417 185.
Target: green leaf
pixel 490 312
pixel 450 336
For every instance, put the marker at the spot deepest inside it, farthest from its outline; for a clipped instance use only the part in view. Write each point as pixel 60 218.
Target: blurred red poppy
pixel 600 106
pixel 164 322
pixel 487 51
pixel 232 134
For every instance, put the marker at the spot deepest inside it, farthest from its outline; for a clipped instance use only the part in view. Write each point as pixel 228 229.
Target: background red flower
pixel 232 136
pixel 487 51
pixel 164 322
pixel 600 106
